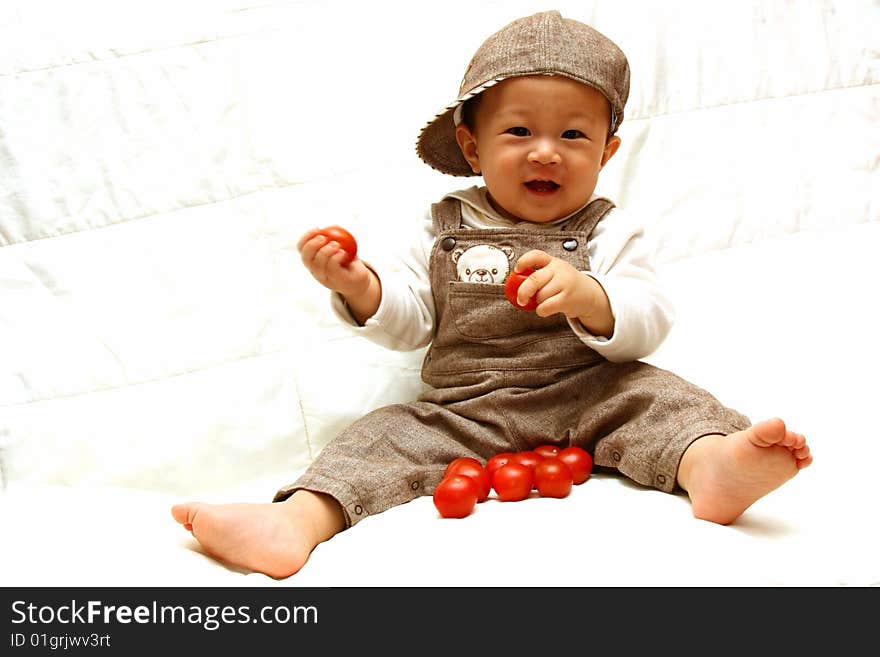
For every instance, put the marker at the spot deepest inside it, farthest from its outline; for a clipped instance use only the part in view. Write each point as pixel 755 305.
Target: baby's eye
pixel 518 131
pixel 573 134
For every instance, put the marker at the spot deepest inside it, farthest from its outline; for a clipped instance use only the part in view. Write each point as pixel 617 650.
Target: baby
pixel 536 118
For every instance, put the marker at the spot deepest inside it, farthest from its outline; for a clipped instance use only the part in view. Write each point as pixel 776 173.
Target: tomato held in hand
pixel 456 496
pixel 345 240
pixel 553 478
pixel 512 482
pixel 471 467
pixel 578 461
pixel 511 287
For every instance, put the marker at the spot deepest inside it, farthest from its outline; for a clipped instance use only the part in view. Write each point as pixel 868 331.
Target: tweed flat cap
pixel 544 43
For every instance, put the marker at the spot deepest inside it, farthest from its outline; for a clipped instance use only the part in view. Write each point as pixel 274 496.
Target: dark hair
pixel 469 111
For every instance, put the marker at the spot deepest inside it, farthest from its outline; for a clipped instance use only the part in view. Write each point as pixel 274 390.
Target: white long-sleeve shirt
pixel 619 260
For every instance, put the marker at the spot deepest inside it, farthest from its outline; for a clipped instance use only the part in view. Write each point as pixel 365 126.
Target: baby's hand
pixel 560 288
pixel 330 265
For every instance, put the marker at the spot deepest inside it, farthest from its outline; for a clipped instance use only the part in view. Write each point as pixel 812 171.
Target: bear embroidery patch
pixel 483 263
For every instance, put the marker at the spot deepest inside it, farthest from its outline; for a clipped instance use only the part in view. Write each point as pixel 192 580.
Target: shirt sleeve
pixel 621 262
pixel 404 320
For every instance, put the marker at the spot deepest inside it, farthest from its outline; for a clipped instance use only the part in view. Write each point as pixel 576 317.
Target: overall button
pixel 570 245
pixel 448 243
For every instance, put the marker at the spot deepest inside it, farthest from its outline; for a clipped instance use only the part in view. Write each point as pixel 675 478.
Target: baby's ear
pixel 610 149
pixel 468 145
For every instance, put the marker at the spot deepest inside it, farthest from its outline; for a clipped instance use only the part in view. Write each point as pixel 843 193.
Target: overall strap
pixel 446 215
pixel 591 215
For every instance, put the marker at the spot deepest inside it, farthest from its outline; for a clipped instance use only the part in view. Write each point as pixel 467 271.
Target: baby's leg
pixel 273 538
pixel 725 475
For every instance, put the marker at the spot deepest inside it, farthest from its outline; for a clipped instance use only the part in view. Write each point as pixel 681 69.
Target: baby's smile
pixel 542 187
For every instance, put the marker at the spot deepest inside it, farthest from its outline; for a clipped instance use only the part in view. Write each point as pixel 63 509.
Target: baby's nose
pixel 544 152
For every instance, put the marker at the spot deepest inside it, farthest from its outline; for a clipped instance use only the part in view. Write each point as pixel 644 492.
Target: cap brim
pixel 437 145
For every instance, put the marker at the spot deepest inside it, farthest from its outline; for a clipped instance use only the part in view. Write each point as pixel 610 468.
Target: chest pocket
pixel 481 313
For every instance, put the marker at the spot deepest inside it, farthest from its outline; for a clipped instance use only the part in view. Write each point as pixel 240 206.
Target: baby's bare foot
pixel 274 538
pixel 725 475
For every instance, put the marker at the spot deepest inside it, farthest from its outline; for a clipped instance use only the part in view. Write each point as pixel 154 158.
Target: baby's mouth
pixel 542 186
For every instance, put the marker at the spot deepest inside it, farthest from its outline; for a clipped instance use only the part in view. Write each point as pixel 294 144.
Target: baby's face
pixel 539 142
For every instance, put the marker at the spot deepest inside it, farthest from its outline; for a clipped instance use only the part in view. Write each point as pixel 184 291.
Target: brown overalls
pixel 504 380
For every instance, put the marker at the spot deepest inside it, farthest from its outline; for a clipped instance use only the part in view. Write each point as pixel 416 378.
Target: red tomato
pixel 345 239
pixel 553 478
pixel 512 482
pixel 456 496
pixel 578 461
pixel 511 287
pixel 496 462
pixel 461 460
pixel 547 450
pixel 471 467
pixel 528 458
